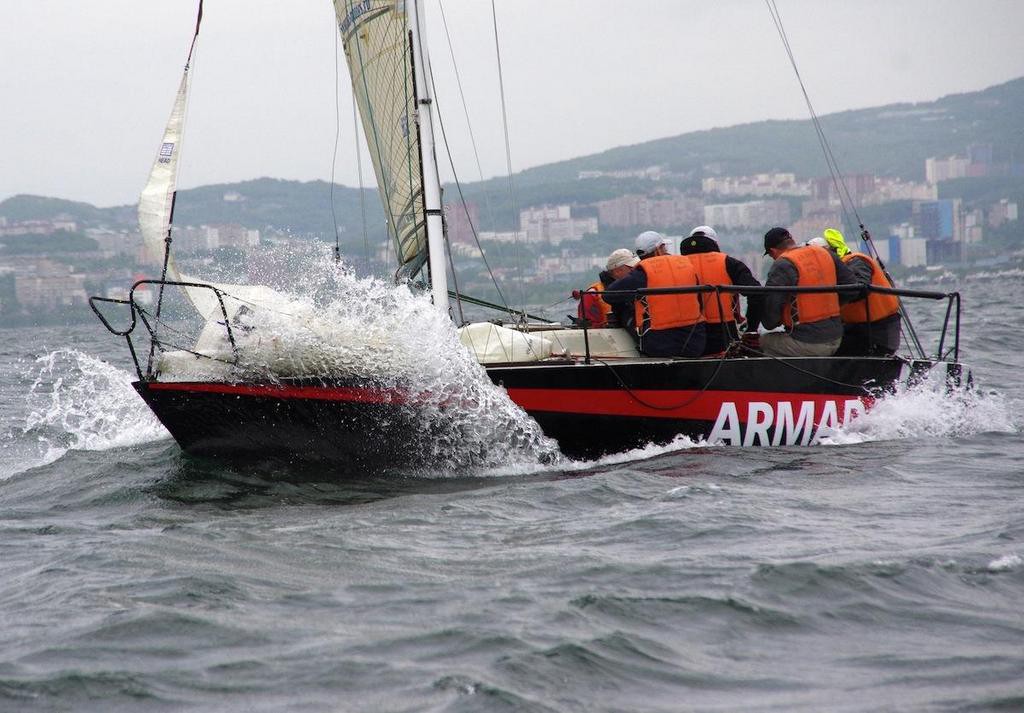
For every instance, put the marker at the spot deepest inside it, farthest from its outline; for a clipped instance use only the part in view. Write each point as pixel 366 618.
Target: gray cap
pixel 648 241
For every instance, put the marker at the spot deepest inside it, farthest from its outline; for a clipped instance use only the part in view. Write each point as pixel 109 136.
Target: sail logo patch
pixel 353 15
pixel 782 423
pixel 166 151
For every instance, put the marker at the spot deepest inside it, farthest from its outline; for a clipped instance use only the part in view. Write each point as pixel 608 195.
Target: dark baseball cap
pixel 775 237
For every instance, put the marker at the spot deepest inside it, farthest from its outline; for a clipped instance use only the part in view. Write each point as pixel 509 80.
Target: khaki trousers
pixel 782 344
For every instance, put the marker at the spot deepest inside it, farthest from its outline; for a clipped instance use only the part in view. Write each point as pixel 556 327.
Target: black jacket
pixel 738 272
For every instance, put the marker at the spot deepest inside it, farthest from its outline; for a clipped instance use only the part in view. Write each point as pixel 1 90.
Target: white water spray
pixel 335 325
pixel 77 401
pixel 926 410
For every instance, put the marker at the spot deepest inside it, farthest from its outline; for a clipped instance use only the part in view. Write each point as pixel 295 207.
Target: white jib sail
pixel 156 207
pixel 157 199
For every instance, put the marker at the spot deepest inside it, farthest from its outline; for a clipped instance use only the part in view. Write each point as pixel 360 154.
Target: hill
pixel 892 140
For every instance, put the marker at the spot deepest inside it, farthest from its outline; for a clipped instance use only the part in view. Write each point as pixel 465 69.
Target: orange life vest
pixel 814 268
pixel 592 308
pixel 668 311
pixel 877 305
pixel 711 270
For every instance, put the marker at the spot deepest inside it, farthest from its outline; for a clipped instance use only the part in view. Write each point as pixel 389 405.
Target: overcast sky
pixel 86 87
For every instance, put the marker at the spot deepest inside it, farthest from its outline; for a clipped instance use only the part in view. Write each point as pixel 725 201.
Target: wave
pixel 79 402
pixel 927 410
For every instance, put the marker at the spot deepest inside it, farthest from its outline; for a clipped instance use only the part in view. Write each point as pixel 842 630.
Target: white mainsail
pixel 375 36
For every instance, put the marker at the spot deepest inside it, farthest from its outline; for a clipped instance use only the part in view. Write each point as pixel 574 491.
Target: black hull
pixel 589 409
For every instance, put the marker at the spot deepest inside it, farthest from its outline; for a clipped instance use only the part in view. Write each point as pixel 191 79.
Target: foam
pixel 336 324
pixel 1005 563
pixel 79 402
pixel 926 410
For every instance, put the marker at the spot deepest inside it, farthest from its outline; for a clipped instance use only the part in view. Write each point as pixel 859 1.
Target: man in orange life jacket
pixel 880 336
pixel 670 324
pixel 593 308
pixel 813 325
pixel 716 268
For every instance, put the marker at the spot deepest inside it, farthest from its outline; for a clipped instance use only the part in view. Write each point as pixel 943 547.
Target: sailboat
pixel 238 390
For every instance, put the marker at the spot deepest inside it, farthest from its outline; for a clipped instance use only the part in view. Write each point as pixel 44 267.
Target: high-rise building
pixel 937 170
pixel 939 220
pixel 553 224
pixel 753 214
pixel 461 218
pixel 655 212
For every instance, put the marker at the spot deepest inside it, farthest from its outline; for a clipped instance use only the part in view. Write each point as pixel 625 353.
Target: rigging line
pixel 476 154
pixel 462 198
pixel 508 162
pixel 465 111
pixel 490 305
pixel 187 82
pixel 655 407
pixel 806 372
pixel 455 279
pixel 834 171
pixel 842 193
pixel 359 171
pixel 337 139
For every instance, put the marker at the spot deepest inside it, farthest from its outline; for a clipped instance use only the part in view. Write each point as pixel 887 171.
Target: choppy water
pixel 882 572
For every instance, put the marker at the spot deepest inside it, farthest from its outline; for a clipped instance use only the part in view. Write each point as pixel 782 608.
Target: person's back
pixel 593 311
pixel 720 309
pixel 667 324
pixel 871 325
pixel 812 321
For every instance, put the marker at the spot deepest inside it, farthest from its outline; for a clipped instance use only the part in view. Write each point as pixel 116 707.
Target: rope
pixel 465 207
pixel 842 191
pixel 359 170
pixel 707 385
pixel 465 111
pixel 476 155
pixel 833 167
pixel 508 162
pixel 756 353
pixel 337 138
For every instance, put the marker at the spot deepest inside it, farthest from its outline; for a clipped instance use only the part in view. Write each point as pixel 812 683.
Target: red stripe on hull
pixel 318 393
pixel 650 403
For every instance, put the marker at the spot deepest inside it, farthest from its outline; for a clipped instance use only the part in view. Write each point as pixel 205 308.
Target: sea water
pixel 880 569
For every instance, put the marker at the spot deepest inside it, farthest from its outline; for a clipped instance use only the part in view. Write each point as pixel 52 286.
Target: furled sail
pixel 375 35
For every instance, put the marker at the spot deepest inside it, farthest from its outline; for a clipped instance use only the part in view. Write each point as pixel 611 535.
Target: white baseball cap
pixel 705 230
pixel 648 241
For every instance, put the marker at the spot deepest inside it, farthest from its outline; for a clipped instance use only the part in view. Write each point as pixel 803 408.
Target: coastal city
pixel 52 265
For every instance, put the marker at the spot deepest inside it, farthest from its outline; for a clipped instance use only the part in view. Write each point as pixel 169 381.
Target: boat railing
pixel 941 353
pixel 152 322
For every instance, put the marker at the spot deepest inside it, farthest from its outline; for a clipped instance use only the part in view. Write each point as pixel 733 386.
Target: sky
pixel 86 87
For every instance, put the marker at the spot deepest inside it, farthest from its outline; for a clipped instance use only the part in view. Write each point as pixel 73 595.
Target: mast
pixel 428 160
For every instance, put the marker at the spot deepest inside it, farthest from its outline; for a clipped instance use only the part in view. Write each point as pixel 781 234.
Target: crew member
pixel 881 335
pixel 667 324
pixel 716 268
pixel 593 308
pixel 813 325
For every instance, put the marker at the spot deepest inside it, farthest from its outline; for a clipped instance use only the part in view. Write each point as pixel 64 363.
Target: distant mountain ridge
pixel 892 140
